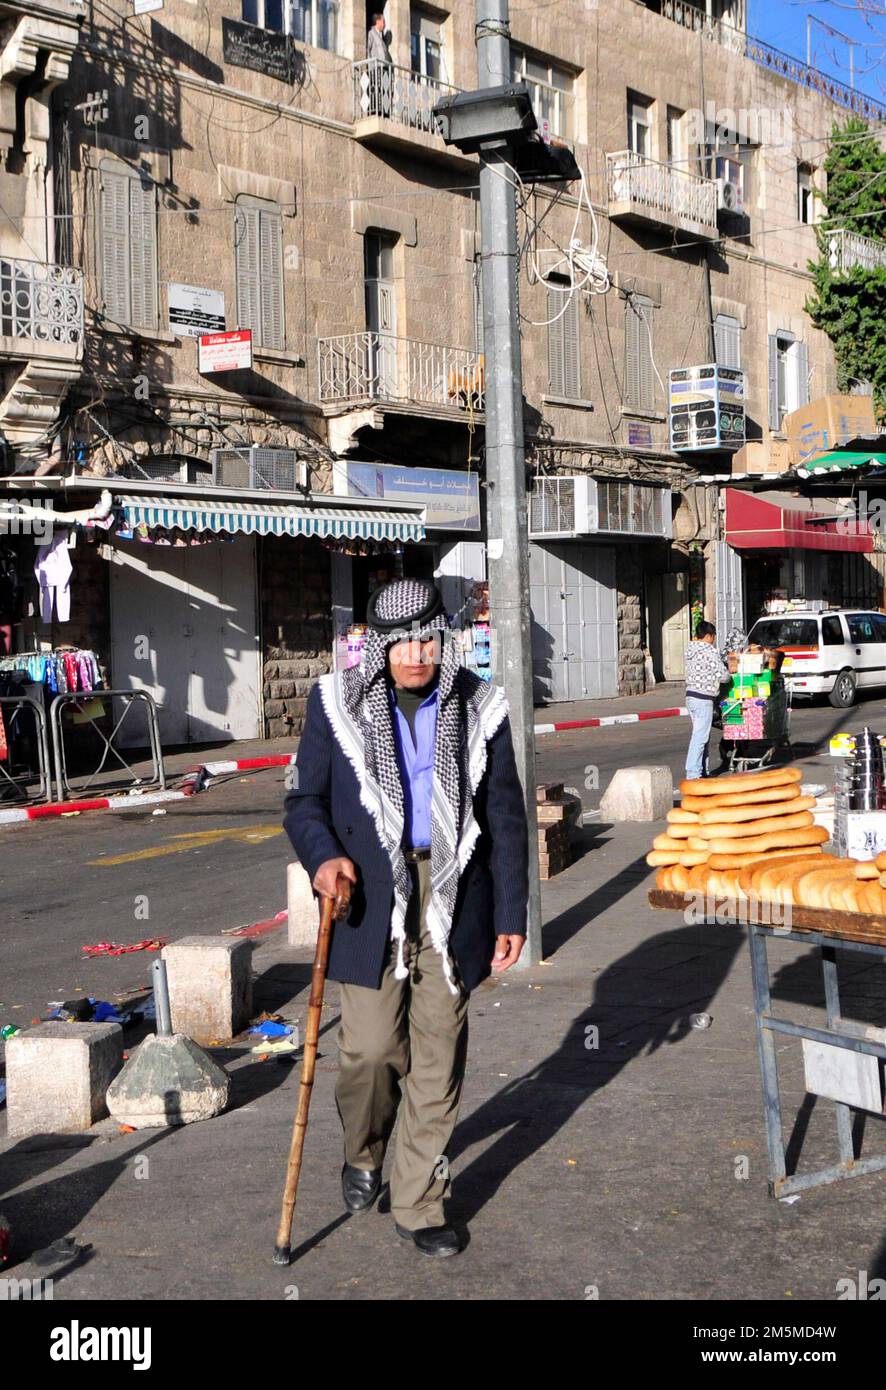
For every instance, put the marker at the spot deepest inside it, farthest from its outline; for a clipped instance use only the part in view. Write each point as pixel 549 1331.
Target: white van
pixel 831 653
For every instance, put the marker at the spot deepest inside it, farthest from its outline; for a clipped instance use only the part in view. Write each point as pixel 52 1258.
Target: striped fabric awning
pixel 272 519
pixel 839 459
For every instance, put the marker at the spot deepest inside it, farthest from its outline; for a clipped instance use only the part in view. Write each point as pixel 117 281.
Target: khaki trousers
pixel 405 1045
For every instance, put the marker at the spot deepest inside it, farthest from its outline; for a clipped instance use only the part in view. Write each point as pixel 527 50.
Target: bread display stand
pixel 830 931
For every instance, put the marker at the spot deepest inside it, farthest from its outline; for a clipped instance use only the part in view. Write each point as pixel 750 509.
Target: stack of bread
pixel 752 836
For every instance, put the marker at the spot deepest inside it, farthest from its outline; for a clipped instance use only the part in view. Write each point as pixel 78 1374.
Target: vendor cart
pixel 756 722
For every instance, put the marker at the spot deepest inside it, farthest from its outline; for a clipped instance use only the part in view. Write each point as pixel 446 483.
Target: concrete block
pixel 210 986
pixel 168 1081
pixel 638 793
pixel 57 1076
pixel 303 909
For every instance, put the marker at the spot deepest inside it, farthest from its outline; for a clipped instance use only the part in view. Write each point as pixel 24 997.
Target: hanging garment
pixel 53 569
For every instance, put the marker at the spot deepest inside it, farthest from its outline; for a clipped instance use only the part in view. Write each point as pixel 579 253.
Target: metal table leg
pixel 768 1060
pixel 832 1000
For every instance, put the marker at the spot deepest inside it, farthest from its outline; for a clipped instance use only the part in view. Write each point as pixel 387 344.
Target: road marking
pixel 193 839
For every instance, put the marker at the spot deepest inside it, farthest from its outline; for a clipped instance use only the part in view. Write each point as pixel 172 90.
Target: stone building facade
pixel 311 191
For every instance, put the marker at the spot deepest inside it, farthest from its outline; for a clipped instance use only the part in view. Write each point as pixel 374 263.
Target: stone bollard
pixel 57 1076
pixel 210 986
pixel 638 793
pixel 303 909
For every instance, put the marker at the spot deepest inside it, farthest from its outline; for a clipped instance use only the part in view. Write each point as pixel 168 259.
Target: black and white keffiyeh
pixel 469 711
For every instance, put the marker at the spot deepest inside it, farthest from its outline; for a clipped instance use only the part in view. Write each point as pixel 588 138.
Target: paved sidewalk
pixel 575 1167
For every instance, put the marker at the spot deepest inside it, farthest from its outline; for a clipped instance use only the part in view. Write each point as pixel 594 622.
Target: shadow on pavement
pixel 641 1002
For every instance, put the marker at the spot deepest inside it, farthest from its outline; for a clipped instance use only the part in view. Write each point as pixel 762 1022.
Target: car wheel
pixel 843 693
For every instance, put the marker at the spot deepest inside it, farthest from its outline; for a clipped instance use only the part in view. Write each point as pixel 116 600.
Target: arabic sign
pixel 262 50
pixel 193 311
pixel 451 498
pixel 225 352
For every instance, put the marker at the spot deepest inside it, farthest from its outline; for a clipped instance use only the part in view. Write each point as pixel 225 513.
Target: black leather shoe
pixel 437 1241
pixel 360 1187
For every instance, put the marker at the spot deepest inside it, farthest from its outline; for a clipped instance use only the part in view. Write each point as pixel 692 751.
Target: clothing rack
pixel 64 670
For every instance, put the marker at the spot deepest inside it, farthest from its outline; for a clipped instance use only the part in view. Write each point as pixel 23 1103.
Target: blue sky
pixel 783 23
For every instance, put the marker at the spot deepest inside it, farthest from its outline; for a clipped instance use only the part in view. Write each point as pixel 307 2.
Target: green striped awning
pixel 840 459
pixel 271 519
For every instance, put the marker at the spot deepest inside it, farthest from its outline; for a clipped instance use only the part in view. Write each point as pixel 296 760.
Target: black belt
pixel 415 856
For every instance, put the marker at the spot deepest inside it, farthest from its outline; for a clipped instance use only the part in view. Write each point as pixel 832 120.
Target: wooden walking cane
pixel 332 910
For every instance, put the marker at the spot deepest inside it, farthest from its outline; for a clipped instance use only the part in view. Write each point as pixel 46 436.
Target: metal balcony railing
pixel 379 366
pixel 661 188
pixel 689 16
pixel 41 303
pixel 398 95
pixel 849 249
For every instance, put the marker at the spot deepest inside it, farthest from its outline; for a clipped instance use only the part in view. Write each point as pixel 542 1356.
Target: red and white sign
pixel 224 352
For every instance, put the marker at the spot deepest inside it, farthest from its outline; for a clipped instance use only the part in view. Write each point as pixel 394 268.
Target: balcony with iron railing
pixel 393 107
pixel 736 40
pixel 850 250
pixel 41 310
pixel 645 190
pixel 356 368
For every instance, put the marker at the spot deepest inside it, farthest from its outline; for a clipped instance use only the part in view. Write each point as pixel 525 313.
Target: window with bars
pixel 552 89
pixel 727 341
pixel 128 218
pixel 258 257
pixel 639 372
pixel 564 358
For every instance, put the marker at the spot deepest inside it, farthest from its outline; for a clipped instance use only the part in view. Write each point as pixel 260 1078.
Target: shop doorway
pixel 574 621
pixel 667 623
pixel 183 627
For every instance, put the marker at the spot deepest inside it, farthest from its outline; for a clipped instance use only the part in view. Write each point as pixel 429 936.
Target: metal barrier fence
pixel 108 745
pixel 20 782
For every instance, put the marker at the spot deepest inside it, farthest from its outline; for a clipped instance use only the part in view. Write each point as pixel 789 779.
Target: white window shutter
pixel 774 403
pixel 246 262
pixel 633 327
pixel 143 253
pixel 556 362
pixel 271 255
pixel 115 246
pixel 647 380
pixel 727 341
pixel 571 359
pixel 802 360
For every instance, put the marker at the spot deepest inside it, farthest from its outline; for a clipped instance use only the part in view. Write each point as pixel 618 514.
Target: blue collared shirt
pixel 416 768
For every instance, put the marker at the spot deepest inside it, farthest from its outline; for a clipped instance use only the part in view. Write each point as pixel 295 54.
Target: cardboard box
pixel 761 456
pixel 827 423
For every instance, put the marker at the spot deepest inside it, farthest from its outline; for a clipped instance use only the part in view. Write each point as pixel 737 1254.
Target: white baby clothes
pixel 53 569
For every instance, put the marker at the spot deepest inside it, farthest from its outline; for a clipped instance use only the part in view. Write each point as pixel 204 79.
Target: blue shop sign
pixel 451 498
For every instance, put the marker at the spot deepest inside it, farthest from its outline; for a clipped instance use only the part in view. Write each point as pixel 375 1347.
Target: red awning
pixel 781 522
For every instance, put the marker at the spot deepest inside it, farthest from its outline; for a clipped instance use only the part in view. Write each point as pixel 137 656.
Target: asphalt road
pixel 218 861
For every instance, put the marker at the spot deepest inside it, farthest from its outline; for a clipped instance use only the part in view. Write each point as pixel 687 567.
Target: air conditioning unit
pixel 729 186
pixel 562 506
pixel 259 468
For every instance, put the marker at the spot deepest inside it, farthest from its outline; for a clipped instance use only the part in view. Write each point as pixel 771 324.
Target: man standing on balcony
pixel 378 50
pixel 407 785
pixel 378 43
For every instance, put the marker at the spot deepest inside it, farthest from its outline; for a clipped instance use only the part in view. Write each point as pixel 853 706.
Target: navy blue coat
pixel 325 820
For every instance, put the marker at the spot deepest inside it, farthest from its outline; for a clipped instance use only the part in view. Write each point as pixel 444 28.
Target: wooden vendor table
pixel 831 932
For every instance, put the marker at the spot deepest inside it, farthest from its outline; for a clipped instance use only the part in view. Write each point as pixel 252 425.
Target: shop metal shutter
pixel 142 253
pixel 246 266
pixel 115 246
pixel 774 403
pixel 271 253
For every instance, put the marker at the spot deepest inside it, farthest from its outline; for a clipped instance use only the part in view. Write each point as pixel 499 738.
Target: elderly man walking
pixel 407 785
